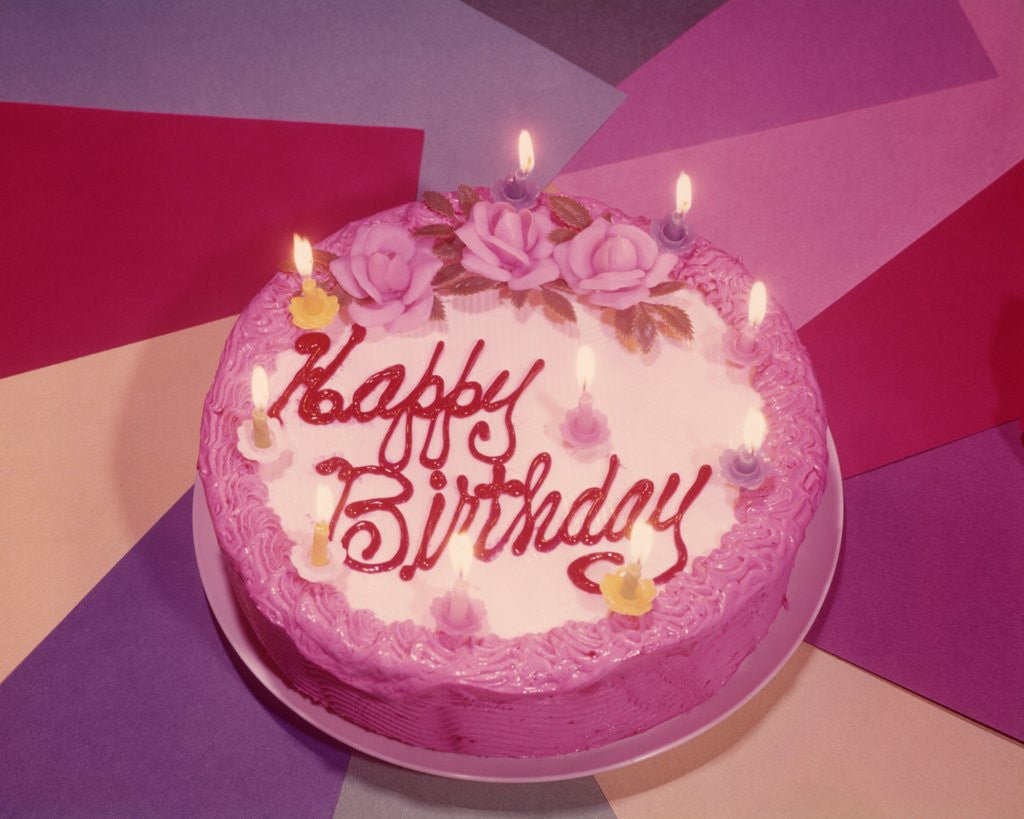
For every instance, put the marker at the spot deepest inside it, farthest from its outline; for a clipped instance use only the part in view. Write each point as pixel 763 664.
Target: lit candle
pixel 313 309
pixel 671 232
pixel 584 427
pixel 260 396
pixel 746 466
pixel 641 542
pixel 626 591
pixel 757 306
pixel 456 613
pixel 321 529
pixel 515 189
pixel 302 253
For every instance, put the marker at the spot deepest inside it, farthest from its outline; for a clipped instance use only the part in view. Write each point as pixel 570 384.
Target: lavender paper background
pixel 134 705
pixel 468 81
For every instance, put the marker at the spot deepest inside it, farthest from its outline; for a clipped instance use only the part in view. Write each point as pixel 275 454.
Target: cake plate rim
pixel 808 586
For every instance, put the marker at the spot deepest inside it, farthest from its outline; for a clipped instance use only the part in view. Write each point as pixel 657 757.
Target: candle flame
pixel 641 542
pixel 260 387
pixel 758 304
pixel 460 550
pixel 684 194
pixel 755 428
pixel 586 365
pixel 303 254
pixel 324 502
pixel 526 158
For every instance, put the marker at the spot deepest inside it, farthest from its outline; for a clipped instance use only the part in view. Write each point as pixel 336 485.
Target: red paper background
pixel 131 225
pixel 930 348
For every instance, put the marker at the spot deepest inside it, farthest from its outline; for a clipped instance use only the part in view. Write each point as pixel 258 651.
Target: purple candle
pixel 745 466
pixel 741 346
pixel 515 189
pixel 672 233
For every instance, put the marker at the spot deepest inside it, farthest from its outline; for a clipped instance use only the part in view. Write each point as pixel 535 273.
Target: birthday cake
pixel 511 479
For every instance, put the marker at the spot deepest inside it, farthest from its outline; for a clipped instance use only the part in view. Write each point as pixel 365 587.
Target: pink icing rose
pixel 613 265
pixel 508 245
pixel 390 273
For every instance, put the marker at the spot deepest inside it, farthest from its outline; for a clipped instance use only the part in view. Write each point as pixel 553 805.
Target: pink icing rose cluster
pixel 389 272
pixel 613 265
pixel 610 265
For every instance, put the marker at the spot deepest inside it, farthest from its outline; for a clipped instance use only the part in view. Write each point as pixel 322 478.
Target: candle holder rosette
pixel 744 348
pixel 313 308
pixel 612 587
pixel 585 429
pixel 516 190
pixel 456 624
pixel 674 235
pixel 301 558
pixel 743 468
pixel 264 455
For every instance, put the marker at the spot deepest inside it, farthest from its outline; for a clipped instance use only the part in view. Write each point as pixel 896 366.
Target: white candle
pixel 321 529
pixel 260 390
pixel 757 306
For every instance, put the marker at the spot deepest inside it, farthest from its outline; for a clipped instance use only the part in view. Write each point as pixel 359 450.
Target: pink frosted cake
pixel 493 497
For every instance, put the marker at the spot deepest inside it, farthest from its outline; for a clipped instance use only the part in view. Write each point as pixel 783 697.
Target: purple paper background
pixel 592 34
pixel 928 592
pixel 758 64
pixel 466 80
pixel 135 705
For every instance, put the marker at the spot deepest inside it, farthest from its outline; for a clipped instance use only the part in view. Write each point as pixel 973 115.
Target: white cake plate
pixel 808 585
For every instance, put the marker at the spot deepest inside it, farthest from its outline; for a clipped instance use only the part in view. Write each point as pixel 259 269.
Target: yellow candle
pixel 313 308
pixel 626 591
pixel 321 530
pixel 630 581
pixel 260 396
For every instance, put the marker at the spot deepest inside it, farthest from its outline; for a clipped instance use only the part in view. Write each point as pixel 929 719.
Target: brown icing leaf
pixel 470 284
pixel 447 273
pixel 557 307
pixel 439 203
pixel 644 328
pixel 672 321
pixel 467 198
pixel 438 229
pixel 518 297
pixel 562 234
pixel 665 288
pixel 568 212
pixel 437 312
pixel 449 248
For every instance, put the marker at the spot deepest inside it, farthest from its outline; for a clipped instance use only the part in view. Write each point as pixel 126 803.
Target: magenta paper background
pixel 758 64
